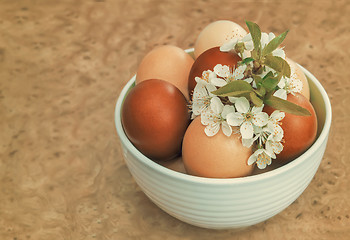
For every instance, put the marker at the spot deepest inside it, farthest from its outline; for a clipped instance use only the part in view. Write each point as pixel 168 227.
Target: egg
pixel 155 117
pixel 169 63
pixel 207 61
pixel 217 33
pixel 299 132
pixel 218 156
pixel 297 73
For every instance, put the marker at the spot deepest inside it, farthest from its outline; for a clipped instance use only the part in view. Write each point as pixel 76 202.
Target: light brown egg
pixel 217 33
pixel 155 117
pixel 214 157
pixel 297 73
pixel 169 63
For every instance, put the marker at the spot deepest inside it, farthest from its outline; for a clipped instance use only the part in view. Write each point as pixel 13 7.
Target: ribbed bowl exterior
pixel 226 203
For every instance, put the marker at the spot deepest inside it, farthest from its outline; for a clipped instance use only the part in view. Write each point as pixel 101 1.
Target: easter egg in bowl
pixel 231 202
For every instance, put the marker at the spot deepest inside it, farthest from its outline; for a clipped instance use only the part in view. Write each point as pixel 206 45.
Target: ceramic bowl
pixel 228 203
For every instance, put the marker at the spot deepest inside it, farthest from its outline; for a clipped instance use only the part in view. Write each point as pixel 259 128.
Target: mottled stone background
pixel 62 67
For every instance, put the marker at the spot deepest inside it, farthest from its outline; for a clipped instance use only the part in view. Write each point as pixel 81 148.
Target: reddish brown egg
pixel 218 156
pixel 207 61
pixel 155 117
pixel 299 131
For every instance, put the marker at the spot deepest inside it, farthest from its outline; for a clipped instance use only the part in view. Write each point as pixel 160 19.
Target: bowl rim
pixel 223 181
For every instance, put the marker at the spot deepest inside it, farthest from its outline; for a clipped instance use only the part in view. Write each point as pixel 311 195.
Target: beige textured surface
pixel 62 66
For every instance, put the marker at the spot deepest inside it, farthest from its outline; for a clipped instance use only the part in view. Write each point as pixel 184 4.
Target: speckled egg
pixel 217 33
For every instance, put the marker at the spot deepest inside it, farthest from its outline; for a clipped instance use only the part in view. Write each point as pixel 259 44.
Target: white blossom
pixel 226 75
pixel 266 38
pixel 202 93
pixel 274 125
pixel 231 45
pixel 247 117
pixel 206 77
pixel 288 85
pixel 215 117
pixel 201 98
pixel 261 157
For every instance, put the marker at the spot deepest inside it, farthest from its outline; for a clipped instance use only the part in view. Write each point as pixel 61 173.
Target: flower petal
pixel 248 142
pixel 207 117
pixel 210 88
pixel 247 38
pixel 226 110
pixel 277 133
pixel 239 72
pixel 219 82
pixel 226 129
pixel 232 99
pixel 211 75
pixel 222 70
pixel 269 153
pixel 261 164
pixel 264 39
pixel 242 105
pixel 234 119
pixel 246 130
pixel 260 119
pixel 281 93
pixel 275 147
pixel 216 105
pixel 279 52
pixel 212 129
pixel 256 110
pixel 271 36
pixel 249 80
pixel 249 45
pixel 251 159
pixel 296 85
pixel 199 91
pixel 277 115
pixel 228 46
pixel 282 82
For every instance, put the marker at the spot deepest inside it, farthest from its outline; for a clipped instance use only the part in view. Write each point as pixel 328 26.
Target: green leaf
pixel 244 93
pixel 254 54
pixel 270 83
pixel 269 74
pixel 286 106
pixel 274 43
pixel 255 32
pixel 255 99
pixel 257 79
pixel 286 69
pixel 247 60
pixel 234 86
pixel 261 91
pixel 278 64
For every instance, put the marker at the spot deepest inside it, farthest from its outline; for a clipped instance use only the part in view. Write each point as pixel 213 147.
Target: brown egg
pixel 217 33
pixel 214 157
pixel 297 73
pixel 207 61
pixel 168 63
pixel 299 131
pixel 155 117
